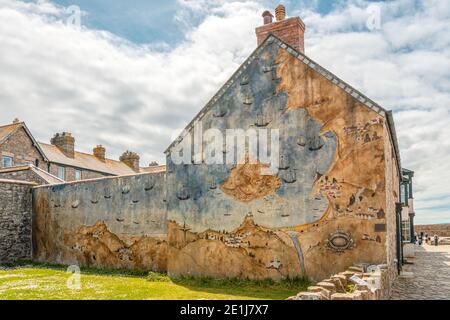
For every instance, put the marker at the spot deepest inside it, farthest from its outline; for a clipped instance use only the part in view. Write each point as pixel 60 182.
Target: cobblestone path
pixel 428 278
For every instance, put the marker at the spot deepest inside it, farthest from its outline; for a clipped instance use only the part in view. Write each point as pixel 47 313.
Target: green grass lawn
pixel 40 281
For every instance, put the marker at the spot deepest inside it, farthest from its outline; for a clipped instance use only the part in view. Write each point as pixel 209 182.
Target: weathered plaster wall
pixel 325 209
pixel 110 222
pixel 15 220
pixel 23 175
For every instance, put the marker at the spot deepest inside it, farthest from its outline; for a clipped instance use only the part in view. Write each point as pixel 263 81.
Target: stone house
pixel 18 148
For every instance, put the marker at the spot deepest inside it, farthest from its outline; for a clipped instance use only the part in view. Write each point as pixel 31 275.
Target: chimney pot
pixel 16 120
pixel 267 17
pixel 280 12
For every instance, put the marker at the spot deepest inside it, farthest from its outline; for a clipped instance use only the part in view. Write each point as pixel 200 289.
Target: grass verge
pixel 31 280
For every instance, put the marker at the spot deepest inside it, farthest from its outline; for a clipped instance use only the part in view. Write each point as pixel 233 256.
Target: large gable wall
pixel 20 146
pixel 334 194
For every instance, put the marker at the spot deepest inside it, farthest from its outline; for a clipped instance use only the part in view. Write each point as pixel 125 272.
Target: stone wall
pixel 15 220
pixel 21 148
pixel 442 230
pixel 356 283
pixel 117 222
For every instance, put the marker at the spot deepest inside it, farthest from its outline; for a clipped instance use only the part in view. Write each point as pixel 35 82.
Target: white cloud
pixel 107 90
pixel 96 85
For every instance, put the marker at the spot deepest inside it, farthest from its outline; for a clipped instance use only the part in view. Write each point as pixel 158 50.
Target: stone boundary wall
pixel 15 220
pixel 377 285
pixel 442 230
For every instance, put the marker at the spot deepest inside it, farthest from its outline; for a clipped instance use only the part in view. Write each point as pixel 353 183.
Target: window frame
pixel 62 169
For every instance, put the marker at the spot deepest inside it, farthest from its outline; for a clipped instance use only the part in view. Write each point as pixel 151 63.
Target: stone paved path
pixel 430 278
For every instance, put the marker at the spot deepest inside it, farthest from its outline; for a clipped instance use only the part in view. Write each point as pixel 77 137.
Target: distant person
pixel 436 240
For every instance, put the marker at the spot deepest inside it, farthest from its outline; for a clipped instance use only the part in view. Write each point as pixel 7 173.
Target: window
pixel 77 174
pixel 30 163
pixel 62 173
pixel 7 162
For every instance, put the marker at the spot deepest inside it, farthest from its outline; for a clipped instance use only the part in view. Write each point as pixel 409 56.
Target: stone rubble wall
pixel 15 220
pixel 336 287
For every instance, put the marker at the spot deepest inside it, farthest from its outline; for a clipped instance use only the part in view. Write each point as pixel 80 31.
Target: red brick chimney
pixel 291 30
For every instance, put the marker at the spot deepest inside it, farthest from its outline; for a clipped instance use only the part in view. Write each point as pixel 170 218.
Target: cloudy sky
pixel 135 72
